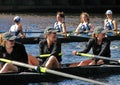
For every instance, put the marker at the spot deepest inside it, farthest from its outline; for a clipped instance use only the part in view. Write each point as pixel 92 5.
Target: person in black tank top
pixel 51 49
pixel 100 46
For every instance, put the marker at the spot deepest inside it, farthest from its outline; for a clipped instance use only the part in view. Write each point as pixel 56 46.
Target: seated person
pixel 100 46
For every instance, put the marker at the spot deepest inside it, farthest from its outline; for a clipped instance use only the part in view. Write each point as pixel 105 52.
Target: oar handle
pixel 41 69
pixel 84 54
pixel 47 55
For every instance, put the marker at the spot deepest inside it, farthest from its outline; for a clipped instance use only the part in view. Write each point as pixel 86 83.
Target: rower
pixel 100 46
pixel 9 49
pixel 17 27
pixel 85 25
pixel 109 22
pixel 60 24
pixel 51 49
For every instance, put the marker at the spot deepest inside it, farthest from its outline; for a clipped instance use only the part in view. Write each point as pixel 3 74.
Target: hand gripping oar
pixel 96 56
pixel 45 70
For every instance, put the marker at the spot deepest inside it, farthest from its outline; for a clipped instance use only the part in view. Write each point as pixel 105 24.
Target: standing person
pixel 17 27
pixel 60 24
pixel 9 49
pixel 100 46
pixel 109 22
pixel 85 25
pixel 51 48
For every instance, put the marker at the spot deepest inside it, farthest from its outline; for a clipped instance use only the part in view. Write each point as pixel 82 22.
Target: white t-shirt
pixel 13 28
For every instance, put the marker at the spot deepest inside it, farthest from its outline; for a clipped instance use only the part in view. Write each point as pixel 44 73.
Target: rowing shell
pixel 86 71
pixel 62 39
pixel 71 38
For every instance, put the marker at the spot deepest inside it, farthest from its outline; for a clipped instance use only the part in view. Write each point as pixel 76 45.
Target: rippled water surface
pixel 38 22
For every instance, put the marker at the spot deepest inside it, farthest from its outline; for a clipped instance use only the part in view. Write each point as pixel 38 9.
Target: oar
pixel 32 31
pixel 47 55
pixel 45 70
pixel 29 32
pixel 96 56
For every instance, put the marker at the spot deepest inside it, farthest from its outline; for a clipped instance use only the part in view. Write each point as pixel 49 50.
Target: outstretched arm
pixel 87 49
pixel 115 25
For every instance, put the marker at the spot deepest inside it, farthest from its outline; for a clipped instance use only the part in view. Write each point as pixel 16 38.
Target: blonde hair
pixel 46 35
pixel 2 42
pixel 94 35
pixel 85 14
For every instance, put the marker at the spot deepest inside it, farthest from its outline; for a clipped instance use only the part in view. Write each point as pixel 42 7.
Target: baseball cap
pixel 50 29
pixel 108 12
pixel 17 19
pixel 99 30
pixel 8 36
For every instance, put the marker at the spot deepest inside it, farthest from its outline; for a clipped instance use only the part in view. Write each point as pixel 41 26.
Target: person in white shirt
pixel 17 27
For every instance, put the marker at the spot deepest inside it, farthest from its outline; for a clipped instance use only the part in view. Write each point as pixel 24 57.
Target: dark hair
pixel 16 21
pixel 61 14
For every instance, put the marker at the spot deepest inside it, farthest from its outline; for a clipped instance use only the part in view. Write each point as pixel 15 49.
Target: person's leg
pixel 33 60
pixel 74 64
pixel 9 68
pixel 92 62
pixel 52 63
pixel 85 62
pixel 100 62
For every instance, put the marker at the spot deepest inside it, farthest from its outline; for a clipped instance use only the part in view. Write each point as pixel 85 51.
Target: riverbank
pixel 68 6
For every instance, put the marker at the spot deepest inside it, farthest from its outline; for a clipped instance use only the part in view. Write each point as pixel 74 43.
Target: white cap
pixel 17 19
pixel 108 12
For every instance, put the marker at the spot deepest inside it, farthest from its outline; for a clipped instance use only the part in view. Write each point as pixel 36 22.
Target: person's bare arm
pixel 92 27
pixel 115 25
pixel 64 28
pixel 104 23
pixel 77 29
pixel 21 32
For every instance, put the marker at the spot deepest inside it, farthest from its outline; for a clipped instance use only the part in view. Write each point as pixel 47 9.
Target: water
pixel 36 22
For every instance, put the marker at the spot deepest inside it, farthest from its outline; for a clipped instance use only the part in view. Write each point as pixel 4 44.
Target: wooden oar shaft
pixel 96 56
pixel 42 69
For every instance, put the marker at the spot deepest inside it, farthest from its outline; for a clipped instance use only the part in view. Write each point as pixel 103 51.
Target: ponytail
pixel 2 42
pixel 61 14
